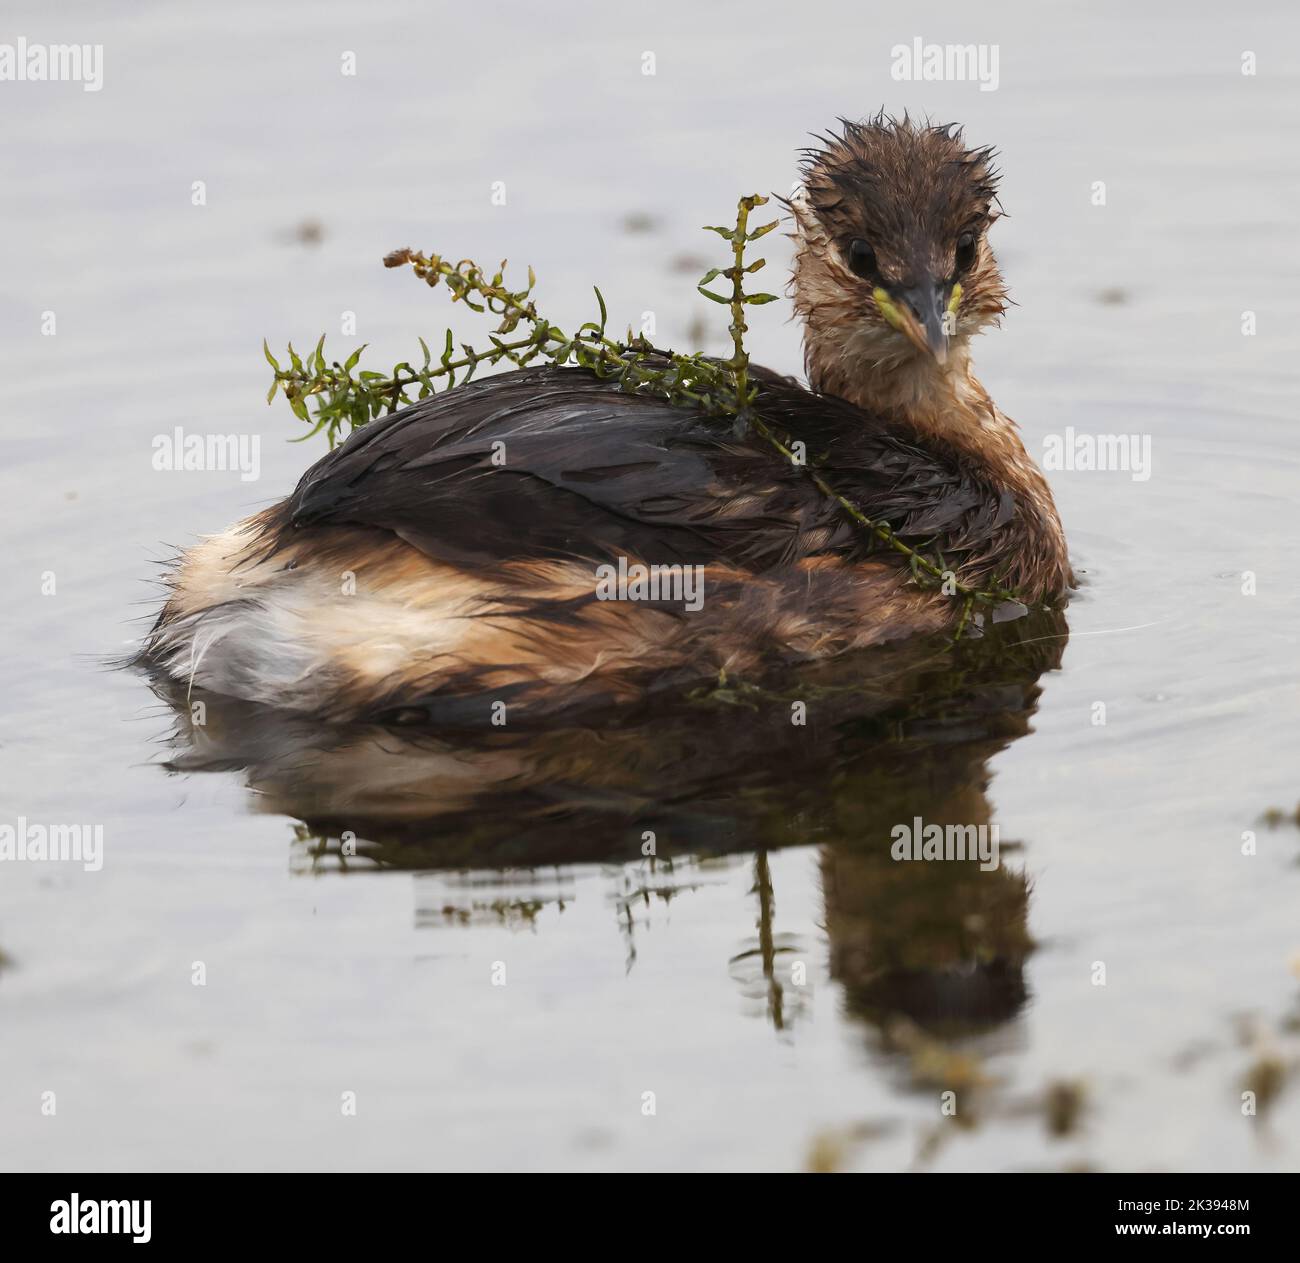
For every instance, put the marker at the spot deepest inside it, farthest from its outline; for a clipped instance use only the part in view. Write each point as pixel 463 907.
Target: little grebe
pixel 449 552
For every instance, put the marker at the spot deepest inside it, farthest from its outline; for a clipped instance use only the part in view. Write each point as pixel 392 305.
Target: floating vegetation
pixel 831 1149
pixel 1063 1106
pixel 1265 1079
pixel 335 398
pixel 1276 817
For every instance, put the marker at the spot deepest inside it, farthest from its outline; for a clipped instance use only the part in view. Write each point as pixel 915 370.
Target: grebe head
pixel 893 272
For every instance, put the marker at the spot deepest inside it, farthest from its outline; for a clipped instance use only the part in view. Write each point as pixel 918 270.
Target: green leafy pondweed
pixel 336 397
pixel 330 396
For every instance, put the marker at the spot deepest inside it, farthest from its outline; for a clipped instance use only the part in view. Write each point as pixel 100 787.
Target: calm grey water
pixel 376 976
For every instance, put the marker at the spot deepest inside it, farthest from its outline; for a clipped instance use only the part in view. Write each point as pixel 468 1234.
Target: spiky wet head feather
pixel 887 205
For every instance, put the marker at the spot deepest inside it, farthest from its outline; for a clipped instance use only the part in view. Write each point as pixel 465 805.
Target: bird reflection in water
pixel 903 731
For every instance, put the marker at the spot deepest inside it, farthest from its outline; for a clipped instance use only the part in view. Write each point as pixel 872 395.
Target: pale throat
pixel 943 405
pixel 884 376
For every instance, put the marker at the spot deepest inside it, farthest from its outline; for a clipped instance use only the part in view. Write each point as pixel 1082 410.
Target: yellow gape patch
pixel 954 299
pixel 887 309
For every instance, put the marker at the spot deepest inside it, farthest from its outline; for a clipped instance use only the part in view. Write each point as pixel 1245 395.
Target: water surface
pixel 373 973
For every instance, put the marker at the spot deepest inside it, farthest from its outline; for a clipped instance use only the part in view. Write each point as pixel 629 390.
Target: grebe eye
pixel 862 258
pixel 965 252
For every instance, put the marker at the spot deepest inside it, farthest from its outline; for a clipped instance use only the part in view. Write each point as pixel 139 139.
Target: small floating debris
pixel 1266 1078
pixel 1276 817
pixel 307 232
pixel 639 222
pixel 1063 1105
pixel 688 263
pixel 832 1148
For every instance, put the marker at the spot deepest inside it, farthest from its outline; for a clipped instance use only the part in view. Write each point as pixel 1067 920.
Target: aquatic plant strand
pixel 327 395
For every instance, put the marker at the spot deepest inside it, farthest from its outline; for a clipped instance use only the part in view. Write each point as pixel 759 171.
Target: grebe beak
pixel 926 302
pixel 919 313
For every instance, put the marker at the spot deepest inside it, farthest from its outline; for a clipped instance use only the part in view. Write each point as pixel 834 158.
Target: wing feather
pixel 555 463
